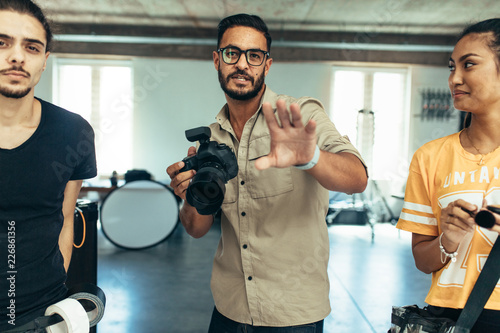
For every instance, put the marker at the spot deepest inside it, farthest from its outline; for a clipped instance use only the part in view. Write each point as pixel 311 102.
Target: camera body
pixel 215 164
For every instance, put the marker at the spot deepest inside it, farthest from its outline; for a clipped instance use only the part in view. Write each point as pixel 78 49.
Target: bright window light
pixel 381 132
pixel 389 108
pixel 348 92
pixel 75 89
pixel 101 92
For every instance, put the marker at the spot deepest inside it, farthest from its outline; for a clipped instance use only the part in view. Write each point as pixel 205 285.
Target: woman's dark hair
pixel 30 8
pixel 243 20
pixel 487 26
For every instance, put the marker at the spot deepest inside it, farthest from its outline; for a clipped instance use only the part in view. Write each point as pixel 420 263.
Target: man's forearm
pixel 66 238
pixel 67 232
pixel 196 225
pixel 341 172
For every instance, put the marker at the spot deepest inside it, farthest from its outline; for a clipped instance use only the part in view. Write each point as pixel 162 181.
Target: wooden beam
pixel 134 31
pixel 279 53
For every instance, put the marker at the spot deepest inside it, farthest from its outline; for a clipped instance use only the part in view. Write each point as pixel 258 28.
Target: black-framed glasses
pixel 232 54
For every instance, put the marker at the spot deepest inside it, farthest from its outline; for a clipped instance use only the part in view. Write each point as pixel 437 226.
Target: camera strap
pixel 481 292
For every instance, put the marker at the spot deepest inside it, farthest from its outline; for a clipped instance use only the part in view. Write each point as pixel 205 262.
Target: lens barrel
pixel 206 191
pixel 485 219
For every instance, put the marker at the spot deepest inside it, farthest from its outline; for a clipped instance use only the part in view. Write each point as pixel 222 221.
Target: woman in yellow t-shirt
pixel 451 178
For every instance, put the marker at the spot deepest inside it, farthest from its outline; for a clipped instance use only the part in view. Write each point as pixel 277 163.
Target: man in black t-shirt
pixel 45 153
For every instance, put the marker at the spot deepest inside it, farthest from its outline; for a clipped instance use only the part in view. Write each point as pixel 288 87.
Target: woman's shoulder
pixel 437 146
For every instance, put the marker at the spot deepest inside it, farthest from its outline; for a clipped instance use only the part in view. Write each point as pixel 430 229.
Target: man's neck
pixel 241 111
pixel 17 111
pixel 19 119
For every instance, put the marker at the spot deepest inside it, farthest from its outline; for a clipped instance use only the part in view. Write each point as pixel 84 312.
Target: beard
pixel 10 93
pixel 241 95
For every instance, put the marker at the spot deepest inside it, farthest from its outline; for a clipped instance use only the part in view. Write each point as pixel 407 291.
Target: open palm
pixel 292 143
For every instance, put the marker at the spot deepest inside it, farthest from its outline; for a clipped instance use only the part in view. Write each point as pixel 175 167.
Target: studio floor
pixel 166 289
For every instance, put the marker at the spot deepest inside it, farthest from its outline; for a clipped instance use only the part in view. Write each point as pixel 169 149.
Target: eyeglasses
pixel 231 55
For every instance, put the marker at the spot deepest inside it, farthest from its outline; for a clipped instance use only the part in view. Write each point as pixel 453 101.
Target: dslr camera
pixel 215 165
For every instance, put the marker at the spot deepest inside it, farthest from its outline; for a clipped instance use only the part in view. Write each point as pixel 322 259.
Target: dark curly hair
pixel 243 20
pixel 487 26
pixel 30 8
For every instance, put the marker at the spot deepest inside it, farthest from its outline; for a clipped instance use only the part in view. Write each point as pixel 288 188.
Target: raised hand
pixel 292 143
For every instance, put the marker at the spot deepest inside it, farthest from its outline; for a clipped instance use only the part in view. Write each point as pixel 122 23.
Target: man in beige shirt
pixel 270 268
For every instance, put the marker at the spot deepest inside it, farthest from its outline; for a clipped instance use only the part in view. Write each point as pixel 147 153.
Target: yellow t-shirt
pixel 441 172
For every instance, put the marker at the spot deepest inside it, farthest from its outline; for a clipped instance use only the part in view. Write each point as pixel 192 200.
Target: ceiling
pixel 415 31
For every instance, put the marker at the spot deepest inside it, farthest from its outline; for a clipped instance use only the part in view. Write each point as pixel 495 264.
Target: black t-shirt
pixel 33 177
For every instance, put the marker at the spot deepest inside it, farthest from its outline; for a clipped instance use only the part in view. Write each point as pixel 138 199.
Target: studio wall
pixel 172 95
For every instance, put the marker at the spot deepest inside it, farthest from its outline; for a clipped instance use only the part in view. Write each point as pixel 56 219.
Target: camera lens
pixel 485 219
pixel 206 191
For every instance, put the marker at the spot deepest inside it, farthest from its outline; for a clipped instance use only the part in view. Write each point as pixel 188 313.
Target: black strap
pixel 38 325
pixel 90 296
pixel 485 284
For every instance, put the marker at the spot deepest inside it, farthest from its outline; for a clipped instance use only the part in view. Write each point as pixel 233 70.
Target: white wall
pixel 301 79
pixel 422 131
pixel 172 95
pixel 175 95
pixel 43 89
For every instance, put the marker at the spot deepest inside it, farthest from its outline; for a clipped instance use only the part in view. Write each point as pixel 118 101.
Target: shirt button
pixel 242 182
pixel 245 246
pixel 249 278
pixel 243 214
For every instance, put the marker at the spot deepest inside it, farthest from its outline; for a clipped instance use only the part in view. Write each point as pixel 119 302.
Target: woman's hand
pixel 456 221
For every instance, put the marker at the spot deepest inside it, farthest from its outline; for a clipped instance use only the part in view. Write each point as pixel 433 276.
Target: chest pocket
pixel 231 191
pixel 269 182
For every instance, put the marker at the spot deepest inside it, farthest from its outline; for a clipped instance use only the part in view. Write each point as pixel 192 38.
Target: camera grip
pixel 190 163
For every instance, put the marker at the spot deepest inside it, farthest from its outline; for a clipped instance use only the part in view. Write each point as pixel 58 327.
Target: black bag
pixel 412 319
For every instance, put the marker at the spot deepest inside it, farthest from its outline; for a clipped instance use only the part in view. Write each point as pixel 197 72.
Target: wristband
pixel 311 163
pixel 453 255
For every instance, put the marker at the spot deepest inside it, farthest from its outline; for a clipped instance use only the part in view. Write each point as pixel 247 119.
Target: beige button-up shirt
pixel 270 268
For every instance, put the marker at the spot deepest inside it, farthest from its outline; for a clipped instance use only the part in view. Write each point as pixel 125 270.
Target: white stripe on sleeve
pixel 418 207
pixel 418 219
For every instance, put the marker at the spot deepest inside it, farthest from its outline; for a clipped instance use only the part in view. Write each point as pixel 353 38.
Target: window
pixel 101 92
pixel 370 106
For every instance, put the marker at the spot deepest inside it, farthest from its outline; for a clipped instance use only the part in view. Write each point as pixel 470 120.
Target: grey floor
pixel 166 288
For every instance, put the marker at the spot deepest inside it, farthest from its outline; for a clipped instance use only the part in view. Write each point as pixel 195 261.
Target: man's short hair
pixel 243 20
pixel 30 8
